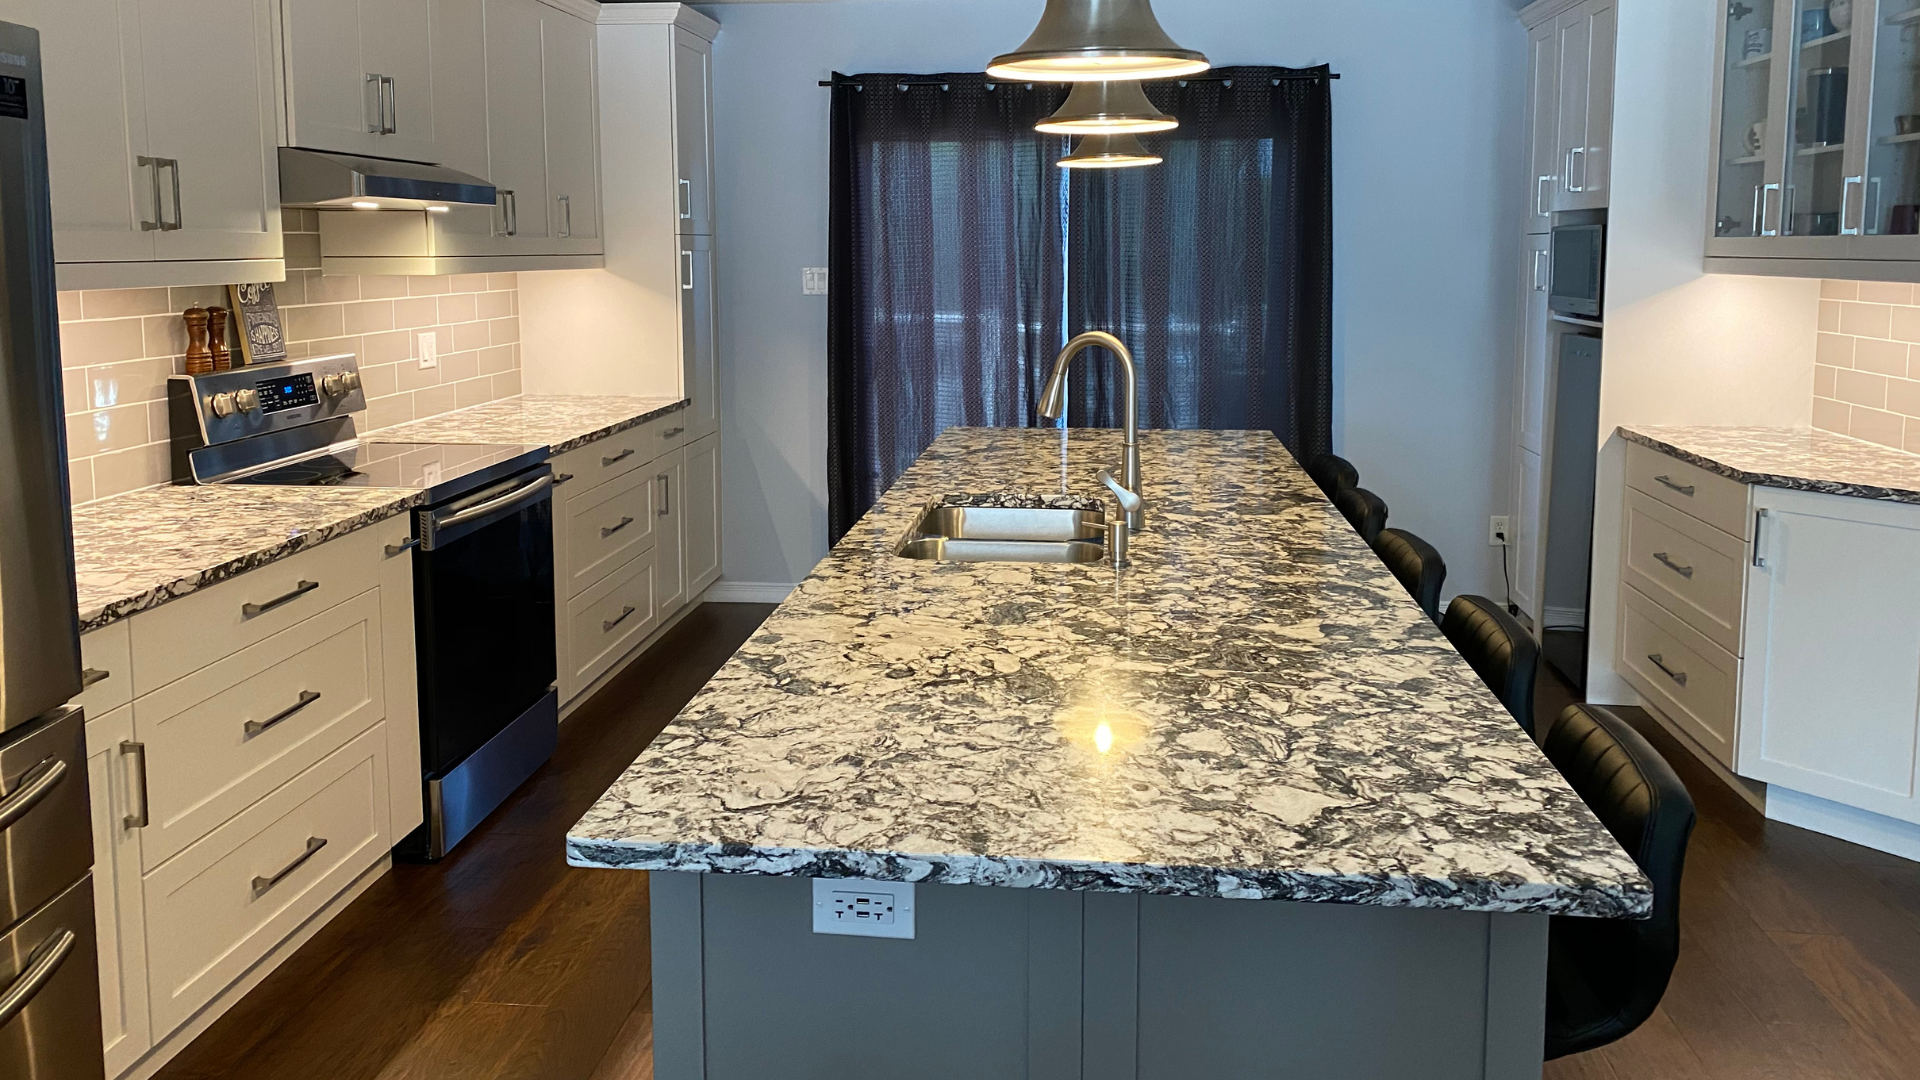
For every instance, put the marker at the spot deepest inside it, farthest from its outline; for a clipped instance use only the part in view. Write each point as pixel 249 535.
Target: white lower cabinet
pixel 700 514
pixel 253 750
pixel 1775 629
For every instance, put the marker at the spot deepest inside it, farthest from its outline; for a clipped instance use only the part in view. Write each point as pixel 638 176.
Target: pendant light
pixel 1109 152
pixel 1107 108
pixel 1097 41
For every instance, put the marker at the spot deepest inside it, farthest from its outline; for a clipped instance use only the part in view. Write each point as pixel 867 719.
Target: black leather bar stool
pixel 1333 473
pixel 1500 650
pixel 1417 564
pixel 1364 510
pixel 1605 976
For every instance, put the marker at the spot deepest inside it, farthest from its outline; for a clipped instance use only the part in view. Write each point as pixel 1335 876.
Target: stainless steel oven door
pixel 467 515
pixel 50 992
pixel 46 830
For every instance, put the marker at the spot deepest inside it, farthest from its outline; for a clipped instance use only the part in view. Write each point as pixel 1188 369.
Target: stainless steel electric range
pixel 482 571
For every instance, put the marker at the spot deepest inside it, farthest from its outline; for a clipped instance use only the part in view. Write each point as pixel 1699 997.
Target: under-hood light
pixel 1109 152
pixel 1107 108
pixel 362 204
pixel 1098 41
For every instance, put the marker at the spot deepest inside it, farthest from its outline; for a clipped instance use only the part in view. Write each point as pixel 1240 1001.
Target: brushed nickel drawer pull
pixel 561 478
pixel 91 676
pixel 35 784
pixel 138 752
pixel 671 432
pixel 300 590
pixel 262 884
pixel 607 627
pixel 43 963
pixel 609 530
pixel 1684 489
pixel 1683 571
pixel 403 546
pixel 617 458
pixel 1679 677
pixel 255 727
pixel 666 494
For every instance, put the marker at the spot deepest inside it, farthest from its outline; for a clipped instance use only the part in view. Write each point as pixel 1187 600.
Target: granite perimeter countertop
pixel 560 423
pixel 140 550
pixel 1254 709
pixel 1788 458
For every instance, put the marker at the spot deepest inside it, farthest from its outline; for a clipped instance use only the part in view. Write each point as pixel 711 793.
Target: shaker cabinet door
pixel 119 915
pixel 516 124
pixel 572 125
pixel 1543 125
pixel 670 503
pixel 103 198
pixel 213 126
pixel 396 41
pixel 700 515
pixel 693 133
pixel 331 100
pixel 699 377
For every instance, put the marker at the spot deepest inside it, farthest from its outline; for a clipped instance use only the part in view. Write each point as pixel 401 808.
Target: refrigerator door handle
pixel 35 785
pixel 42 965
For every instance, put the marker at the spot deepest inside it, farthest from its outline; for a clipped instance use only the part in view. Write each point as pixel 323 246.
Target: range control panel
pixel 227 406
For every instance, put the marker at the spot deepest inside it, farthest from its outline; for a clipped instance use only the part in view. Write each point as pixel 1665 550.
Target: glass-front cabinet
pixel 1817 153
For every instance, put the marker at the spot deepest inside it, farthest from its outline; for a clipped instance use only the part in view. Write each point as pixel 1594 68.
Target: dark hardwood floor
pixel 501 961
pixel 1800 958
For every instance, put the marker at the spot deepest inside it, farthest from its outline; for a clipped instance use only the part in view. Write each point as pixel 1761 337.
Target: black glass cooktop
pixel 399 465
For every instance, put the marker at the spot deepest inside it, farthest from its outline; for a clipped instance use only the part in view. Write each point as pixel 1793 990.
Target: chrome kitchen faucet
pixel 1053 403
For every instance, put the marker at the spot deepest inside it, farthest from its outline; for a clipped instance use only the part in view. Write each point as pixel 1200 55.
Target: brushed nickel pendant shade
pixel 1107 108
pixel 1109 152
pixel 1098 41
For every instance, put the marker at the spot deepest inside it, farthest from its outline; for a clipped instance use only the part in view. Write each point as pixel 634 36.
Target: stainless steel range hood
pixel 316 180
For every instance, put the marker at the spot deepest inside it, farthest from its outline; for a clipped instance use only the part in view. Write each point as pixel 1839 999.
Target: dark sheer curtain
pixel 962 258
pixel 947 284
pixel 1215 267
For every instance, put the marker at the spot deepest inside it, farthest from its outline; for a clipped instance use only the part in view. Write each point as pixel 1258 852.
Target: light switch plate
pixel 813 281
pixel 860 908
pixel 429 349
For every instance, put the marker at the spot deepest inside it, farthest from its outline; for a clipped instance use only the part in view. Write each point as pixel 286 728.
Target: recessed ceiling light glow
pixel 1109 152
pixel 1107 108
pixel 1098 41
pixel 363 205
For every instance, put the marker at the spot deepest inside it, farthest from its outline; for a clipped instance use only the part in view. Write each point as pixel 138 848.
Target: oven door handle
pixel 436 528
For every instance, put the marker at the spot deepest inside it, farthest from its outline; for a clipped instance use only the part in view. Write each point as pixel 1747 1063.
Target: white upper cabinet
pixel 1583 67
pixel 572 129
pixel 516 124
pixel 162 172
pixel 693 132
pixel 359 77
pixel 1543 126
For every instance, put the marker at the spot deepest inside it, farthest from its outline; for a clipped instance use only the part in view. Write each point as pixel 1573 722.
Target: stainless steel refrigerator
pixel 49 969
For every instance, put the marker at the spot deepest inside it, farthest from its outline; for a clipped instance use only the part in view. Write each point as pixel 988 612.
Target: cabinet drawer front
pixel 608 525
pixel 616 455
pixel 607 620
pixel 1685 676
pixel 229 899
pixel 106 660
pixel 1694 570
pixel 1714 499
pixel 222 738
pixel 182 637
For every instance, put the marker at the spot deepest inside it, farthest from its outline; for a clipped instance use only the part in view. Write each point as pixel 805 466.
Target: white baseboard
pixel 747 592
pixel 1850 823
pixel 1564 616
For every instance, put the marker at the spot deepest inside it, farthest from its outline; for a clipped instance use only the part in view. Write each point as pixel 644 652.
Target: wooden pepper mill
pixel 217 339
pixel 199 357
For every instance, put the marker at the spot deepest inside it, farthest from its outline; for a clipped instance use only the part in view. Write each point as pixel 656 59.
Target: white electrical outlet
pixel 1498 534
pixel 861 908
pixel 813 281
pixel 429 349
pixel 430 473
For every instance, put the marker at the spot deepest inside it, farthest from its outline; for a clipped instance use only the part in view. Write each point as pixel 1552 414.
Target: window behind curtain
pixel 963 258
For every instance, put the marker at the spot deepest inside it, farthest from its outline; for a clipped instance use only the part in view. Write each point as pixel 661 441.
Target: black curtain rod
pixel 853 80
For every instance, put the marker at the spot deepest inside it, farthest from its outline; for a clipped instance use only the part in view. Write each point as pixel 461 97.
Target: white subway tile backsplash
pixel 1834 350
pixel 1886 292
pixel 1866 320
pixel 1875 425
pixel 1840 290
pixel 1880 357
pixel 1860 388
pixel 119 346
pixel 1863 360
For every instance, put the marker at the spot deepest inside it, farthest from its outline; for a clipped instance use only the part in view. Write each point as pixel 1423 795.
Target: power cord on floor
pixel 1505 546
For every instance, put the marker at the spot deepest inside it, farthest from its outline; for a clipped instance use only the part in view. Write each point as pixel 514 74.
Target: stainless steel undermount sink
pixel 1006 534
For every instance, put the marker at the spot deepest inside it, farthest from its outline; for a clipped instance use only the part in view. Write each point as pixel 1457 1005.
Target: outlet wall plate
pixel 429 349
pixel 1499 532
pixel 857 907
pixel 813 281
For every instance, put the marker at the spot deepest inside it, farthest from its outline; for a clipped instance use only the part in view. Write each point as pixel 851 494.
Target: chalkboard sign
pixel 261 340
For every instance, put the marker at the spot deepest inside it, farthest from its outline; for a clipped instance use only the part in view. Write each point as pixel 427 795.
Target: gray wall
pixel 1427 137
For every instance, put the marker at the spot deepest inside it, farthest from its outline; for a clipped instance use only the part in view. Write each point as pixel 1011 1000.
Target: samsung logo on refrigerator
pixel 16 59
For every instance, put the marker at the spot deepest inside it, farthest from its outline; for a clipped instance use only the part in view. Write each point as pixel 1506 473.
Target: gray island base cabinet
pixel 1049 984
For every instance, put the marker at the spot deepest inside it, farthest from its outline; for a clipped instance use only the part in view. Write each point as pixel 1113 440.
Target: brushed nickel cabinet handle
pixel 255 727
pixel 93 675
pixel 159 221
pixel 35 784
pixel 1667 481
pixel 609 530
pixel 178 223
pixel 43 963
pixel 403 546
pixel 561 478
pixel 671 432
pixel 1662 559
pixel 262 884
pixel 617 458
pixel 607 627
pixel 377 120
pixel 666 494
pixel 300 590
pixel 566 215
pixel 1759 554
pixel 137 780
pixel 1659 661
pixel 686 199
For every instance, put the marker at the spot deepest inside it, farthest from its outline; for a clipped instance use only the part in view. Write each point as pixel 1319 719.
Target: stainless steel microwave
pixel 1579 269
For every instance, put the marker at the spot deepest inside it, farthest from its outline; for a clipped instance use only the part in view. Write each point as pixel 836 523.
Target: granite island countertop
pixel 137 551
pixel 1254 709
pixel 1819 461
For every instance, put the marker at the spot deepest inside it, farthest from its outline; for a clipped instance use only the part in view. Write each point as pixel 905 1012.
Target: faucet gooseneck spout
pixel 1053 403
